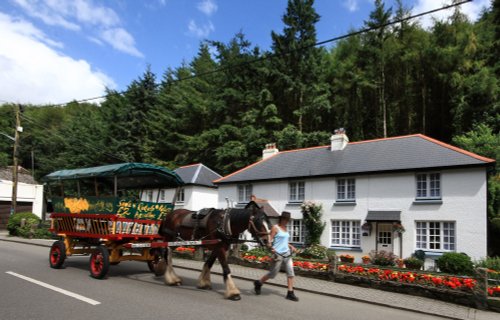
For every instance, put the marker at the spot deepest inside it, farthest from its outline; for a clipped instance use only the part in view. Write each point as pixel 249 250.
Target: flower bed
pixel 443 287
pixel 307 268
pixel 411 277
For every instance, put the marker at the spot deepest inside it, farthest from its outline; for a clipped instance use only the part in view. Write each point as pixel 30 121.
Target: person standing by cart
pixel 282 253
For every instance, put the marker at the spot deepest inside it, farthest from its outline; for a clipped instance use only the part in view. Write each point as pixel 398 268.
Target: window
pixel 297 231
pixel 438 236
pixel 346 190
pixel 180 195
pixel 346 233
pixel 244 193
pixel 296 191
pixel 162 195
pixel 428 186
pixel 149 196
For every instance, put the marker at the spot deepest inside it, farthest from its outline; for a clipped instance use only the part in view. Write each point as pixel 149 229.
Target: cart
pixel 102 212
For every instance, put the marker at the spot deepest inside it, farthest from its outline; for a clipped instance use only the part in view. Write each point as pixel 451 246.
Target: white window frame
pixel 297 231
pixel 296 191
pixel 162 195
pixel 438 236
pixel 346 190
pixel 427 187
pixel 345 233
pixel 181 196
pixel 244 193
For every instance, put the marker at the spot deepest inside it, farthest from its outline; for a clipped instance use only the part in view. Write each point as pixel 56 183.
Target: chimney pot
pixel 339 140
pixel 269 150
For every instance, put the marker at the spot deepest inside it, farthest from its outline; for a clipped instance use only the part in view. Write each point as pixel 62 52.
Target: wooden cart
pixel 111 228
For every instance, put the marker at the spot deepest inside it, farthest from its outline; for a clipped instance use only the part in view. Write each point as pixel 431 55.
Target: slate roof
pixel 412 152
pixel 23 175
pixel 198 174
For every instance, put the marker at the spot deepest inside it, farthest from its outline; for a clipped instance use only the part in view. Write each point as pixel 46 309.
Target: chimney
pixel 339 140
pixel 270 150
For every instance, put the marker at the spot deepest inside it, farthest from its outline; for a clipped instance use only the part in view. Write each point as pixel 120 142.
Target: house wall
pixel 195 197
pixel 463 202
pixel 25 193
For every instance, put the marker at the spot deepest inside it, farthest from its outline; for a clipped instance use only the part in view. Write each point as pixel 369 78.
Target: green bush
pixel 490 263
pixel 244 247
pixel 382 258
pixel 413 263
pixel 455 263
pixel 314 252
pixel 259 252
pixel 14 222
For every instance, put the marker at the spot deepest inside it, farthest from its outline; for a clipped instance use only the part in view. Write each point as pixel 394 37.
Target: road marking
pixel 51 287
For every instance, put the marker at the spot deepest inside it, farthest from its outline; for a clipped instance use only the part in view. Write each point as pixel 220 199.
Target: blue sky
pixel 54 51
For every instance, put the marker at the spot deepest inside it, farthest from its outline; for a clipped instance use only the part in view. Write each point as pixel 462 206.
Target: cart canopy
pixel 130 175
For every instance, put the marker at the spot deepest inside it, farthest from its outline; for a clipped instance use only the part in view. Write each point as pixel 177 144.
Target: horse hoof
pixel 206 287
pixel 236 297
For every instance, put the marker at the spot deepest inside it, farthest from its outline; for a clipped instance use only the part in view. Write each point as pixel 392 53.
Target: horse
pixel 225 225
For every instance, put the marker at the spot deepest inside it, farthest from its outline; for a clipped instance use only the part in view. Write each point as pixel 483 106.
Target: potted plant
pixel 398 227
pixel 366 259
pixel 346 258
pixel 400 263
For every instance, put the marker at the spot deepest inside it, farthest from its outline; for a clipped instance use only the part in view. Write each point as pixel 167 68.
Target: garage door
pixel 5 211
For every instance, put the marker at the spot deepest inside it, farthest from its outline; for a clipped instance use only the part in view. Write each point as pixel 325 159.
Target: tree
pixel 482 140
pixel 298 86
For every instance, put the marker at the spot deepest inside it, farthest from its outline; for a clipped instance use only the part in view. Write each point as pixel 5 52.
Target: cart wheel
pixel 57 254
pixel 99 262
pixel 157 266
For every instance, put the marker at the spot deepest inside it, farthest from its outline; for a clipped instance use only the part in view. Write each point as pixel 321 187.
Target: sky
pixel 56 51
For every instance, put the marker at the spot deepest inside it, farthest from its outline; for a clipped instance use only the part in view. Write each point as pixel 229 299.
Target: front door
pixel 384 237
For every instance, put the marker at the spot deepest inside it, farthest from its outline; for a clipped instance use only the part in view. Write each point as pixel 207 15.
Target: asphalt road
pixel 131 292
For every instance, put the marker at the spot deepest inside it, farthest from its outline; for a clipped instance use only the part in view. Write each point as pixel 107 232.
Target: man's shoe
pixel 256 286
pixel 291 296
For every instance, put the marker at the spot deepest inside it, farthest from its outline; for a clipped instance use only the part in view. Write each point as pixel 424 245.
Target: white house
pixel 197 193
pixel 436 191
pixel 29 194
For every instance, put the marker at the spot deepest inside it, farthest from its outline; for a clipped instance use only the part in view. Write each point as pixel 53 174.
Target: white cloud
pixel 121 40
pixel 96 20
pixel 351 5
pixel 47 14
pixel 208 7
pixel 200 31
pixel 33 72
pixel 471 9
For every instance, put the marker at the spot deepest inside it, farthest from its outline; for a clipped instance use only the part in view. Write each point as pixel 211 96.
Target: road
pixel 131 292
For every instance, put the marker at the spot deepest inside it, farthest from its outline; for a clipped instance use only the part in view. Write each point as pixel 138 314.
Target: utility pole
pixel 19 129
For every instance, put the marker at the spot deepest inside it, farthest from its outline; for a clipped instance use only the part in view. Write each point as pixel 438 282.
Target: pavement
pixel 327 288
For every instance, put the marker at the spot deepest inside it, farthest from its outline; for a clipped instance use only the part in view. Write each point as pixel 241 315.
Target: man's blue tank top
pixel 280 243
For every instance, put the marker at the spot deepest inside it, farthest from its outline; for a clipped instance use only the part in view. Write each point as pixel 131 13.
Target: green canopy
pixel 130 175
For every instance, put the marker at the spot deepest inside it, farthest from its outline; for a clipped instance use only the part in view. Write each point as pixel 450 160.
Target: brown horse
pixel 224 225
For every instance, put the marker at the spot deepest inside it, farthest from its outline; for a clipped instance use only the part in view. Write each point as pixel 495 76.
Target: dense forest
pixel 222 107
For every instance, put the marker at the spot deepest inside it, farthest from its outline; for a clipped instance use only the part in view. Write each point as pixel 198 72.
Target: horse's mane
pixel 239 215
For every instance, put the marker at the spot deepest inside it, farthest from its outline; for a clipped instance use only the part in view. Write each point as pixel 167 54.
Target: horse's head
pixel 258 224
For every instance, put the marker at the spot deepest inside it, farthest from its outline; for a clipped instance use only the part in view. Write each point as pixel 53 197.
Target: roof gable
pixel 411 152
pixel 198 174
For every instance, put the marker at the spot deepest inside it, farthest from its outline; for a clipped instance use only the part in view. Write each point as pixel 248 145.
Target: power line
pixel 78 142
pixel 271 56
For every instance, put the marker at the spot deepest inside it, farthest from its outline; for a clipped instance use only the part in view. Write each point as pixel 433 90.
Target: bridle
pixel 256 232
